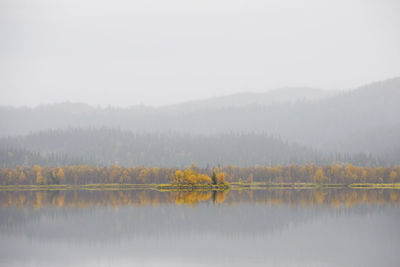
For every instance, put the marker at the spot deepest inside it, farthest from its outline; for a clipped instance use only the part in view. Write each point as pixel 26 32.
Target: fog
pixel 244 129
pixel 199 133
pixel 124 53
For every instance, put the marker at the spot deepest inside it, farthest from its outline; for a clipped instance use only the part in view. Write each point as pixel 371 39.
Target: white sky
pixel 126 52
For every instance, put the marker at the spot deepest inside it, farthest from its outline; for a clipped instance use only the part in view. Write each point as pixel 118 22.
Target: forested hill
pixel 110 146
pixel 142 118
pixel 324 124
pixel 289 95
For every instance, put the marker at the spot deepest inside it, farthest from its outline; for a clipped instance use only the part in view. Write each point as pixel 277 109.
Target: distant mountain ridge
pixel 278 96
pixel 326 123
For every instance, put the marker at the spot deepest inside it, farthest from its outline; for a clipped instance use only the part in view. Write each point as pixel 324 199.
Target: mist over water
pixel 274 228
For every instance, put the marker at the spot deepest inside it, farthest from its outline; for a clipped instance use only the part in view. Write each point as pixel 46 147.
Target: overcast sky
pixel 160 52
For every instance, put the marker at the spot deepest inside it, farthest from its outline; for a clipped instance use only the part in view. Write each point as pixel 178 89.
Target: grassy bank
pixel 78 187
pixel 158 187
pixel 375 186
pixel 260 185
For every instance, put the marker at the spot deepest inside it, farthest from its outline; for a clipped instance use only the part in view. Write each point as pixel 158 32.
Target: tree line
pixel 309 173
pixel 104 147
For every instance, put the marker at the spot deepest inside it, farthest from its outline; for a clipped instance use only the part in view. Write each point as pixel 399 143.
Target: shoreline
pixel 199 187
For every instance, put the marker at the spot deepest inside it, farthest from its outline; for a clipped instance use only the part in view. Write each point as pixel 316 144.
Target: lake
pixel 274 227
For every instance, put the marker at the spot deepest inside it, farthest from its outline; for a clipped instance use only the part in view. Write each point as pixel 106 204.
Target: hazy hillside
pixel 324 124
pixel 279 96
pixel 141 118
pixel 110 146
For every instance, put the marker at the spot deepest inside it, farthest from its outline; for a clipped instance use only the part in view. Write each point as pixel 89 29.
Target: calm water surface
pixel 336 227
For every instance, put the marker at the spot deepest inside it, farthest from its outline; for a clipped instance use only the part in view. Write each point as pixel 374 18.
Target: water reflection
pixel 90 198
pixel 336 227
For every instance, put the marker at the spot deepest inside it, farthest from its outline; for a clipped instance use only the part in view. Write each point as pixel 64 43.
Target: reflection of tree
pixel 83 199
pixel 320 196
pixel 38 203
pixel 191 197
pixel 218 197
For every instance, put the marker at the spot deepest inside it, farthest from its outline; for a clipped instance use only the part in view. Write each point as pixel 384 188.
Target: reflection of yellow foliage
pixel 250 193
pixel 84 199
pixel 319 196
pixel 38 203
pixel 364 197
pixel 179 201
pixel 335 202
pixel 220 197
pixel 191 198
pixel 21 199
pixel 60 200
